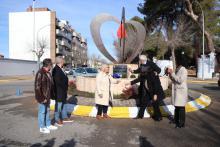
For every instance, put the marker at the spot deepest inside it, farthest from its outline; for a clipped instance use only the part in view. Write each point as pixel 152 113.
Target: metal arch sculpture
pixel 137 46
pixel 141 34
pixel 95 31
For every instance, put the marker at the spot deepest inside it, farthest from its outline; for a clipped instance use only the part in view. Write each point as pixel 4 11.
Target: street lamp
pixel 38 52
pixel 203 37
pixel 42 29
pixel 33 9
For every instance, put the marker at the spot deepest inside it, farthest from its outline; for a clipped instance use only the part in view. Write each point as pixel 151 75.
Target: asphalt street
pixel 18 123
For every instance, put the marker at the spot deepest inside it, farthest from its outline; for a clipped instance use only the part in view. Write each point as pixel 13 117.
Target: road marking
pixel 83 110
pixel 131 112
pixel 119 112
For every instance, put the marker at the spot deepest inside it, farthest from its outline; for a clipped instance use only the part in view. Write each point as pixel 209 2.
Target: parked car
pixel 85 71
pixel 68 71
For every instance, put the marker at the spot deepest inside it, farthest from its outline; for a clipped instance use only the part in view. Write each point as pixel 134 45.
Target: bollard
pixel 18 92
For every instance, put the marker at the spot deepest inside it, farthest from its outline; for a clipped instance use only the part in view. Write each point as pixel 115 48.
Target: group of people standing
pixel 150 91
pixel 51 86
pixel 54 85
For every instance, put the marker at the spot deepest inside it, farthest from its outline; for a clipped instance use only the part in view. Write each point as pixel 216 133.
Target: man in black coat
pixel 150 88
pixel 61 87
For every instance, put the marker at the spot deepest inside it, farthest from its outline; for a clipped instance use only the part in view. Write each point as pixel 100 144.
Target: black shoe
pixel 138 117
pixel 172 121
pixel 157 118
pixel 182 126
pixel 179 126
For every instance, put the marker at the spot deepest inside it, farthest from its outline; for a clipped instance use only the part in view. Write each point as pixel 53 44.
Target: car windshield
pixel 91 70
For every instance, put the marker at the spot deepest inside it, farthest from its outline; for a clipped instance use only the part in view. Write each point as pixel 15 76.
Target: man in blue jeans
pixel 61 87
pixel 43 92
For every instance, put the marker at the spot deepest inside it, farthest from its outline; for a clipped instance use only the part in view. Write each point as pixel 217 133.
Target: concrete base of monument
pixel 87 84
pixel 196 102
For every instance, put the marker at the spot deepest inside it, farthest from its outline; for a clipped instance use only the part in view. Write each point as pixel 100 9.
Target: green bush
pixel 73 91
pixel 124 75
pixel 168 92
pixel 120 96
pixel 132 76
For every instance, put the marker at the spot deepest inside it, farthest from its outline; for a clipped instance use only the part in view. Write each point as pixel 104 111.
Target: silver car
pixel 85 71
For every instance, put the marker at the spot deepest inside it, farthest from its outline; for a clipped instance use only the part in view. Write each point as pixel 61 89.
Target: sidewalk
pixel 206 81
pixel 6 79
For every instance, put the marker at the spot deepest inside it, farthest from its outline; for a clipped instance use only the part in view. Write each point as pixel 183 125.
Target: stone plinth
pixel 88 84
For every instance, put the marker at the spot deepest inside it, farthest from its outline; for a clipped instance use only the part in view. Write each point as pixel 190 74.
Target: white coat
pixel 180 94
pixel 103 93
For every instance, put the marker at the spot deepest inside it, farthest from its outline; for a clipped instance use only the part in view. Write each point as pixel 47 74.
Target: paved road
pixel 18 123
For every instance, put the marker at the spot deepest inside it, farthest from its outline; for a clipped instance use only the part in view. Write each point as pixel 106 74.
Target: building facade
pixel 71 44
pixel 40 30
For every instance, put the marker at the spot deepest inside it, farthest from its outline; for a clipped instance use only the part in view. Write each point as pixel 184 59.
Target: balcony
pixel 63 34
pixel 65 43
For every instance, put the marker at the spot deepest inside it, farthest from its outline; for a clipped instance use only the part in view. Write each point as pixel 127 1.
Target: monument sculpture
pixel 131 36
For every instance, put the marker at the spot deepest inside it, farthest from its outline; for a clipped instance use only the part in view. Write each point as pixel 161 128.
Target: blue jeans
pixel 43 115
pixel 60 111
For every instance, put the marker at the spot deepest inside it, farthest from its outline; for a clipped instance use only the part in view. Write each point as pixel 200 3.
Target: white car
pixel 85 71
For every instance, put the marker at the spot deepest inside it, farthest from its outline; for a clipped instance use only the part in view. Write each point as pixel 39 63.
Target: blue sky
pixel 78 12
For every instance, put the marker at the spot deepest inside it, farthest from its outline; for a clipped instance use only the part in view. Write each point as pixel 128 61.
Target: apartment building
pixel 31 29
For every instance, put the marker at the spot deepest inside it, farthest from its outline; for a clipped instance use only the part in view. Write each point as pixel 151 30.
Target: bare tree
pixel 42 45
pixel 179 37
pixel 156 40
pixel 189 11
pixel 96 59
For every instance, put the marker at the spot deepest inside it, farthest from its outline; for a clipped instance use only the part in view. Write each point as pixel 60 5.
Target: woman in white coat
pixel 103 93
pixel 180 95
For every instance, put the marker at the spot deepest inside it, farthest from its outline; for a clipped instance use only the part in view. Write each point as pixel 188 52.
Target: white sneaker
pixel 51 127
pixel 44 130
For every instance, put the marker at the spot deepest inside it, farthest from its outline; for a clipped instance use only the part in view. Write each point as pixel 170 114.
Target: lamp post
pixel 38 52
pixel 203 37
pixel 33 9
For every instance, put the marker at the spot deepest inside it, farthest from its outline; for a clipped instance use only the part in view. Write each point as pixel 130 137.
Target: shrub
pixel 132 76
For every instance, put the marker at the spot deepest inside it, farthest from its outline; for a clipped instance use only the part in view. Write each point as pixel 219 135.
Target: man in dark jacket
pixel 150 88
pixel 61 87
pixel 43 93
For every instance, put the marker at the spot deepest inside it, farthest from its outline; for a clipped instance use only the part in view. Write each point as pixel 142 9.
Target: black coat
pixel 60 84
pixel 146 72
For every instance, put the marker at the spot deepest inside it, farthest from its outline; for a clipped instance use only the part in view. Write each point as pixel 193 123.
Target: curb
pixel 201 81
pixel 131 112
pixel 15 79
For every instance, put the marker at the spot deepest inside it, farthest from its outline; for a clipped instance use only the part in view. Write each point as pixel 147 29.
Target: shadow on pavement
pixel 51 143
pixel 68 143
pixel 212 87
pixel 144 143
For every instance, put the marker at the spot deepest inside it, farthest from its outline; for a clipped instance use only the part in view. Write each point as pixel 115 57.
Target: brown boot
pixel 59 123
pixel 66 120
pixel 106 116
pixel 99 117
